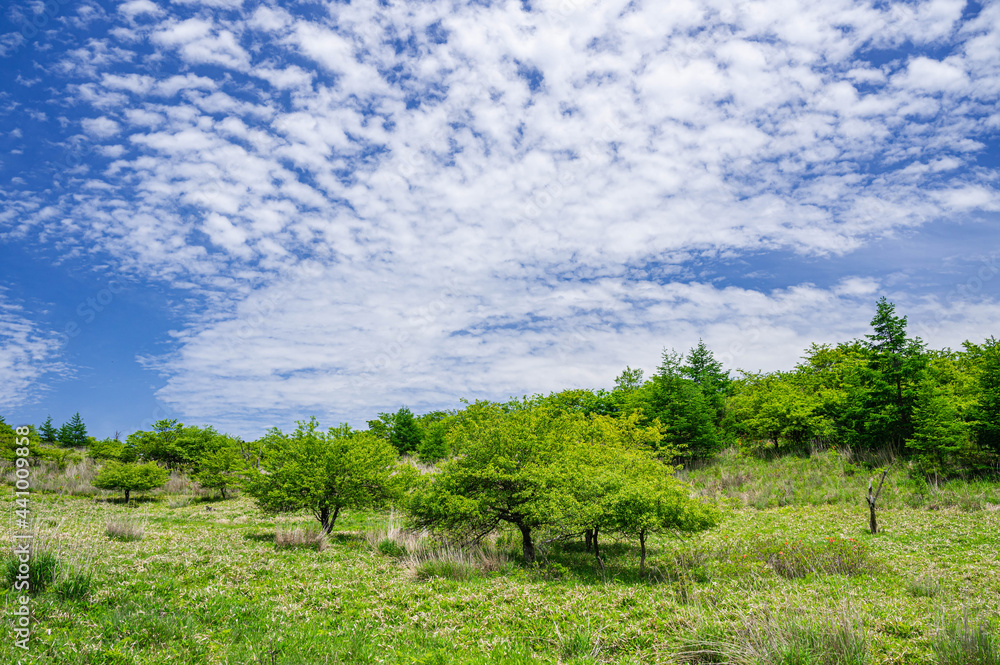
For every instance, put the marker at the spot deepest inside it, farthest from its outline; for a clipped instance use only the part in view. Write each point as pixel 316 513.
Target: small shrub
pixel 125 528
pixel 42 567
pixel 967 642
pixel 305 537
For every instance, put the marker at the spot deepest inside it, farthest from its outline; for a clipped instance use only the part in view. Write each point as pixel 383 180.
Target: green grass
pixel 801 582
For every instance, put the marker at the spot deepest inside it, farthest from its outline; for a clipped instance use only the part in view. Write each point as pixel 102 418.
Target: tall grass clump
pixel 76 582
pixel 125 528
pixel 41 569
pixel 836 639
pixel 308 537
pixel 968 641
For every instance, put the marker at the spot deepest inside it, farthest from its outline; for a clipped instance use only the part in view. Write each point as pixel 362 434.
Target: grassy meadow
pixel 791 576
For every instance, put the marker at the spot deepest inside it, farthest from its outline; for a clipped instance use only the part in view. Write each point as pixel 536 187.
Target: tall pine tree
pixel 73 433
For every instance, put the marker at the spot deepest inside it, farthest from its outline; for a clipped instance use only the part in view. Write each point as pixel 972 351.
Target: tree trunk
pixel 872 522
pixel 327 519
pixel 589 535
pixel 597 547
pixel 527 547
pixel 642 552
pixel 126 496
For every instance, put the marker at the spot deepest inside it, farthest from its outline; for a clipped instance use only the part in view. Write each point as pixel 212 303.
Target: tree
pixel 987 413
pixel 509 472
pixel 649 501
pixel 130 477
pixel 49 434
pixel 73 433
pixel 687 418
pixel 405 434
pixel 174 444
pixel 433 438
pixel 895 361
pixel 777 410
pixel 629 380
pixel 702 368
pixel 160 444
pixel 942 439
pixel 220 468
pixel 323 472
pixel 113 449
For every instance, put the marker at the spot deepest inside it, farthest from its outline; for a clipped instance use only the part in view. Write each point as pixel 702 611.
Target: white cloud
pixel 101 128
pixel 134 8
pixel 606 143
pixel 202 42
pixel 27 355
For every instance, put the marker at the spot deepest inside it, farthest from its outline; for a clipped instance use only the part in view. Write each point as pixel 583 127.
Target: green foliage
pixel 177 446
pixel 48 433
pixel 130 477
pixel 986 370
pixel 434 437
pixel 508 472
pixel 405 434
pixel 220 468
pixel 73 433
pixel 942 439
pixel 323 472
pixel 778 410
pixel 534 466
pixel 113 449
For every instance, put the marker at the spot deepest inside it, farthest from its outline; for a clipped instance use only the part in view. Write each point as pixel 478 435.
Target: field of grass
pixel 791 576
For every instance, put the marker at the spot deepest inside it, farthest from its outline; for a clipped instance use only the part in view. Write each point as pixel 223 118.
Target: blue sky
pixel 242 213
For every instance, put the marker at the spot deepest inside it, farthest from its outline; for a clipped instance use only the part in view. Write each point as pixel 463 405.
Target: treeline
pixel 588 461
pixel 884 392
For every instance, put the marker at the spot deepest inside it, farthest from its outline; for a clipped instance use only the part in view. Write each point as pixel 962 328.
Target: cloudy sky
pixel 244 212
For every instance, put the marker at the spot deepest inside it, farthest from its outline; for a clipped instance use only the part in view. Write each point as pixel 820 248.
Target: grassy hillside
pixel 791 576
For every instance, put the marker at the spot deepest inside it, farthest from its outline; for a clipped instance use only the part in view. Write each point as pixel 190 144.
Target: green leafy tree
pixel 220 468
pixel 48 433
pixel 130 477
pixel 381 427
pixel 323 472
pixel 649 501
pixel 943 425
pixel 405 434
pixel 701 367
pixel 777 410
pixel 113 449
pixel 73 433
pixel 434 436
pixel 986 359
pixel 509 472
pixel 177 446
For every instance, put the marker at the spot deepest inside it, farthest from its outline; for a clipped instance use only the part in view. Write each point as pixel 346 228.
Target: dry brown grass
pixel 300 536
